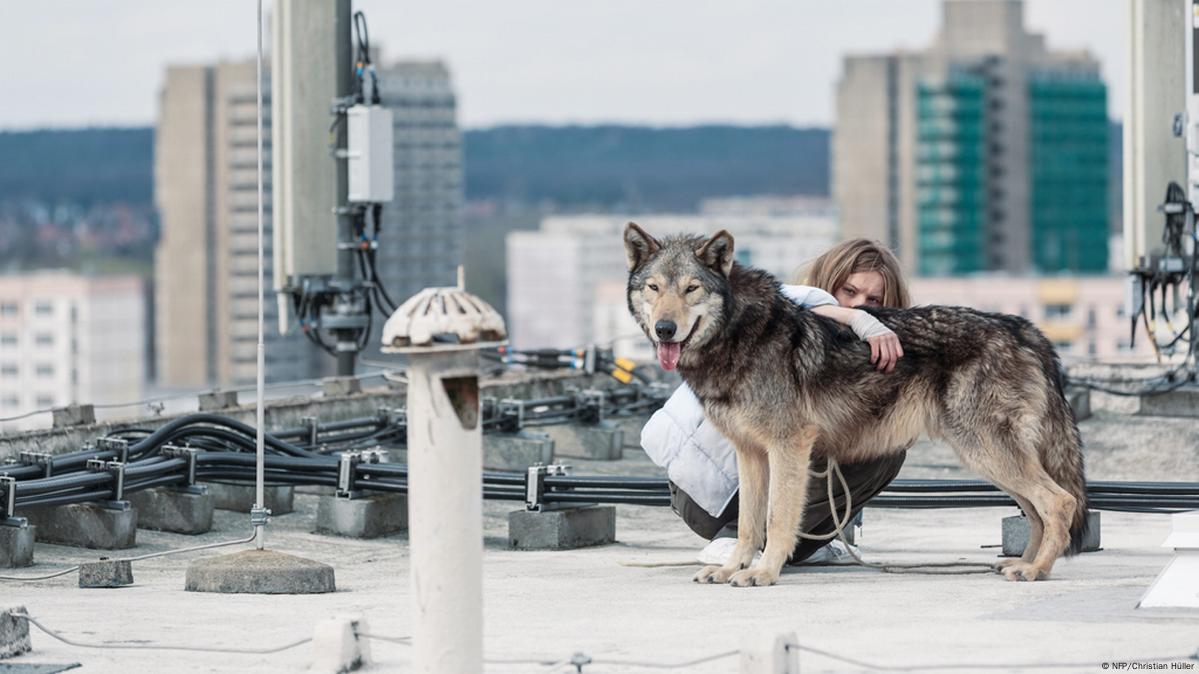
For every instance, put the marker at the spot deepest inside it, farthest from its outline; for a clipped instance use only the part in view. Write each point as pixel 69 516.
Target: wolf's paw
pixel 713 574
pixel 754 577
pixel 1021 570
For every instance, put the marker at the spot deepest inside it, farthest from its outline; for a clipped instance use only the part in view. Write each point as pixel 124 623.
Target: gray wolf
pixel 783 383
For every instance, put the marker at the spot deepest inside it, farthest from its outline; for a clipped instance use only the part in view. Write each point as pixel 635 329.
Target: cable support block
pixel 260 516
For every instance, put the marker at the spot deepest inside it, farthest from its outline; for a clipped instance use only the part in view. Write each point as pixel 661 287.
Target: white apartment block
pixel 1084 316
pixel 67 338
pixel 555 273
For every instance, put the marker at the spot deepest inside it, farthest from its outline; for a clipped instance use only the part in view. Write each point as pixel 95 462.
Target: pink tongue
pixel 668 354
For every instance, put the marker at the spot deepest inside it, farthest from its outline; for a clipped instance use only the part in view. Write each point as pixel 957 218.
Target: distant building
pixel 984 152
pixel 206 265
pixel 67 338
pixel 1083 316
pixel 422 238
pixel 555 273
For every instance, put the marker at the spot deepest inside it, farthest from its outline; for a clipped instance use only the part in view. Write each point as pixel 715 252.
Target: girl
pixel 701 463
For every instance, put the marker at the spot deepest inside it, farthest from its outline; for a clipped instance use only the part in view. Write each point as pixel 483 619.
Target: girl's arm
pixel 885 348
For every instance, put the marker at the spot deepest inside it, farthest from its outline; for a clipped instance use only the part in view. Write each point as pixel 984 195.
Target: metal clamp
pixel 347 463
pixel 535 484
pixel 512 414
pixel 590 404
pixel 189 455
pixel 312 425
pixel 8 503
pixel 117 470
pixel 43 459
pixel 118 446
pixel 260 516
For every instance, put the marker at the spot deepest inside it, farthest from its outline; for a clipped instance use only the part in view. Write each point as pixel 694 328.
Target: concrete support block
pixel 1183 402
pixel 337 646
pixel 763 652
pixel 179 511
pixel 316 489
pixel 85 525
pixel 600 442
pixel 73 415
pixel 1080 401
pixel 341 386
pixel 259 572
pixel 563 529
pixel 14 633
pixel 516 451
pixel 1015 534
pixel 106 573
pixel 631 428
pixel 365 517
pixel 16 546
pixel 240 497
pixel 217 399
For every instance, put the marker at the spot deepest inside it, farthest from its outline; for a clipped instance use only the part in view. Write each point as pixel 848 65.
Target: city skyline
pixel 659 69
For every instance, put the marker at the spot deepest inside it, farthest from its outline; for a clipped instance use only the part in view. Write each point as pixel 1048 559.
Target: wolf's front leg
pixel 753 472
pixel 788 467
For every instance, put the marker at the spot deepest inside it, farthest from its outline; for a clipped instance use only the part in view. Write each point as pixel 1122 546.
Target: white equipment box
pixel 369 154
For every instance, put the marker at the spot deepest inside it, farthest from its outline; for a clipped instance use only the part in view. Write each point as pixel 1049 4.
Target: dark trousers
pixel 865 478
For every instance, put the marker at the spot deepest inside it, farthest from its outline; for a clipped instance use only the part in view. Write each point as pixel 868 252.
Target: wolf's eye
pixel 652 287
pixel 691 288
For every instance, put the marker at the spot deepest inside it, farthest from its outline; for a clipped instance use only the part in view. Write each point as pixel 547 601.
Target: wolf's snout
pixel 665 329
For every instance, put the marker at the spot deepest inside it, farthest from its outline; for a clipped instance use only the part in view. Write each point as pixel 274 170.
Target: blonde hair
pixel 830 271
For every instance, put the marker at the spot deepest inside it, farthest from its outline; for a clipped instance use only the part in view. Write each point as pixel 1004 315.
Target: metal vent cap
pixel 442 317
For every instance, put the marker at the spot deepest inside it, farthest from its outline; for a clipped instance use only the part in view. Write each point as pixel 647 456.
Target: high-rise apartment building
pixel 68 338
pixel 986 151
pixel 206 191
pixel 206 265
pixel 422 236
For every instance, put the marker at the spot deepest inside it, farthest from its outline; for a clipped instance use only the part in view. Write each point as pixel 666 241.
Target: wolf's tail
pixel 1061 455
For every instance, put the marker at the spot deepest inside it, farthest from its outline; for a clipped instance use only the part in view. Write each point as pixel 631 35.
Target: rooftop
pixel 626 602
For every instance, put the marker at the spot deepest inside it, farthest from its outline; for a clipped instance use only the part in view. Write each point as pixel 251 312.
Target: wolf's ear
pixel 717 253
pixel 638 245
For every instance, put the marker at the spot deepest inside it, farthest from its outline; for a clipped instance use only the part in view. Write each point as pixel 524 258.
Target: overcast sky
pixel 669 62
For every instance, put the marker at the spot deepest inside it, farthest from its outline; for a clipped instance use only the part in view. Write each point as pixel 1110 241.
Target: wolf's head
pixel 678 289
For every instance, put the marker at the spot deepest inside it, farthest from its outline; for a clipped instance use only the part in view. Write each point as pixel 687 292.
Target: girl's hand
pixel 885 350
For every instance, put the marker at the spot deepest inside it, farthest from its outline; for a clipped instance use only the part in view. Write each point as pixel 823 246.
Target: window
pixel 43 401
pixel 1063 345
pixel 44 339
pixel 1091 318
pixel 8 370
pixel 1057 311
pixel 44 370
pixel 43 308
pixel 8 339
pixel 1091 348
pixel 8 309
pixel 11 401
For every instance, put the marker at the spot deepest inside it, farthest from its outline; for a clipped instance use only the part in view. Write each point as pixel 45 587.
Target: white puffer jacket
pixel 697 458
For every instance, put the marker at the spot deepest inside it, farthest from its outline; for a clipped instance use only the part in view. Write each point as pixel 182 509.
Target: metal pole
pixel 445 512
pixel 260 496
pixel 343 61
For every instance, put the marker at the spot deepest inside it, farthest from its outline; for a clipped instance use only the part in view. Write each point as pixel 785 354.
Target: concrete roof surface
pixel 548 605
